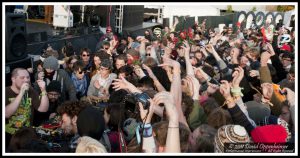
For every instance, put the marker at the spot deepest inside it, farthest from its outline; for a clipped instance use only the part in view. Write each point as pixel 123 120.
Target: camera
pixel 142 98
pixel 214 81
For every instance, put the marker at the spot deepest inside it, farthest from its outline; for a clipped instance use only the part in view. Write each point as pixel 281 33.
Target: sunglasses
pixel 148 54
pixel 85 55
pixel 80 72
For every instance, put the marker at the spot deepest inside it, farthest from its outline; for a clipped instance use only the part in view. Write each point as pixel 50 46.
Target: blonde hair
pixel 89 145
pixel 254 52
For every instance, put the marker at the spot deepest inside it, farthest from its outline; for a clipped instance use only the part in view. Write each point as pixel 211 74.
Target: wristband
pixel 43 93
pixel 236 92
pixel 147 130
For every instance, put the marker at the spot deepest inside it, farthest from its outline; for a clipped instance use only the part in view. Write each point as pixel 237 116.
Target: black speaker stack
pixel 15 37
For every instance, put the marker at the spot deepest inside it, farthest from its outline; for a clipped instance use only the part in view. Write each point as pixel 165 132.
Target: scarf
pixel 80 85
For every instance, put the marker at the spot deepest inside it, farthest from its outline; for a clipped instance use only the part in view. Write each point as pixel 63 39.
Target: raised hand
pixel 200 74
pixel 121 84
pixel 24 87
pixel 237 75
pixel 210 48
pixel 97 84
pixel 264 57
pixel 254 73
pixel 41 84
pixel 171 63
pixel 270 49
pixel 150 72
pixel 225 89
pixel 143 112
pixel 212 88
pixel 168 100
pixel 267 89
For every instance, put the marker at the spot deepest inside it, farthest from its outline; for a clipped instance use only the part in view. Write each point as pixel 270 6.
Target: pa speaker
pixel 15 37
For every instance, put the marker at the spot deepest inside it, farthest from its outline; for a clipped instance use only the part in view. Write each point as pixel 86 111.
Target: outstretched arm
pixel 176 89
pixel 173 138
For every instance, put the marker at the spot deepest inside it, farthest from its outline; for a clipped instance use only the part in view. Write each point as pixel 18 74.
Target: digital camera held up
pixel 142 98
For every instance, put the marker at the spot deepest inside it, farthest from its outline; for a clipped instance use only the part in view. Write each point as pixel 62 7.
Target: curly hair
pixel 219 117
pixel 72 108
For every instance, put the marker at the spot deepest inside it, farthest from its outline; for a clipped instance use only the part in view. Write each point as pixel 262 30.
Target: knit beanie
pixel 50 63
pixel 257 111
pixel 269 134
pixel 230 134
pixel 54 86
pixel 273 120
pixel 89 145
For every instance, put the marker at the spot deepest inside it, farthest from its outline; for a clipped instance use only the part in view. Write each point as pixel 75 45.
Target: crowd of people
pixel 168 90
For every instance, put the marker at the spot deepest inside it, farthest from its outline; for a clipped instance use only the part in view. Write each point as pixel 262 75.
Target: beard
pixel 68 130
pixel 53 101
pixel 49 75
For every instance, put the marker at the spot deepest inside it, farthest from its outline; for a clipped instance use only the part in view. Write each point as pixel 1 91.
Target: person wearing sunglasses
pixel 80 79
pixel 85 57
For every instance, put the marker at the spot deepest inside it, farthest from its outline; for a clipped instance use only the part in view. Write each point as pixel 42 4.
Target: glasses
pixel 80 72
pixel 84 55
pixel 106 48
pixel 148 54
pixel 53 94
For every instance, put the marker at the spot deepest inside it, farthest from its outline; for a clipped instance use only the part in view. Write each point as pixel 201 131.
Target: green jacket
pixel 197 116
